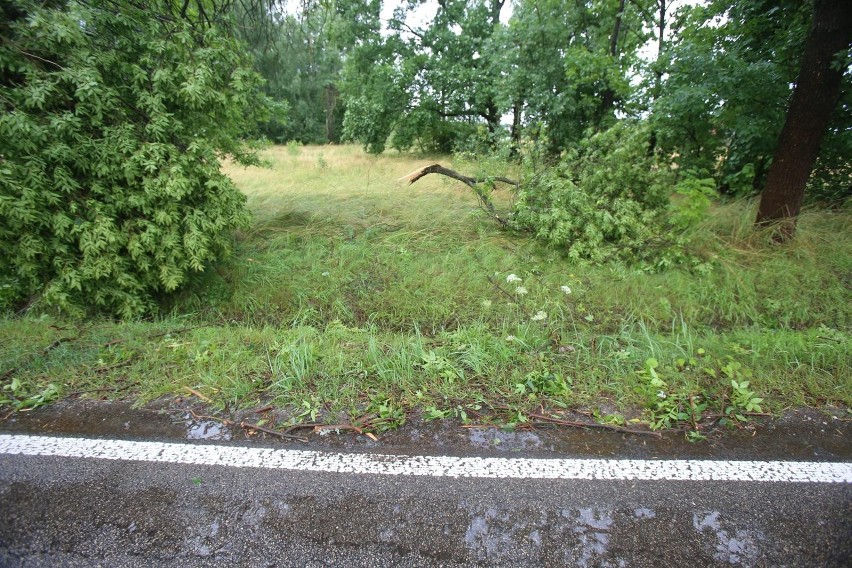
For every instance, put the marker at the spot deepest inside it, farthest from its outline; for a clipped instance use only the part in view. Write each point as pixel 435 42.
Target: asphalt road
pixel 57 511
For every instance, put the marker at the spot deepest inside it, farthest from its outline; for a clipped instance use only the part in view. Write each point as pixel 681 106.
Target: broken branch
pixel 224 421
pixel 321 427
pixel 550 420
pixel 471 182
pixel 197 394
pixel 247 426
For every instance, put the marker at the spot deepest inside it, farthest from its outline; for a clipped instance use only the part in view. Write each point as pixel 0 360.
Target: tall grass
pixel 352 287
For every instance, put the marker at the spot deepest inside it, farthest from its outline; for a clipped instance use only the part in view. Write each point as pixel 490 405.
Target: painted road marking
pixel 435 466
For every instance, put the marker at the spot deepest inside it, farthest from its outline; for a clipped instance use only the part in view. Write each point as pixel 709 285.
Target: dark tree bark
pixel 815 95
pixel 331 97
pixel 491 115
pixel 608 97
pixel 661 32
pixel 516 126
pixel 660 23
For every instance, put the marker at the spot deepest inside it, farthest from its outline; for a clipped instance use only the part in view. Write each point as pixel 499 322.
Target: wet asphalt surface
pixel 86 512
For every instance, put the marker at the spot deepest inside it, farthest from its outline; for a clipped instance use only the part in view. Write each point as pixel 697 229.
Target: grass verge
pixel 355 296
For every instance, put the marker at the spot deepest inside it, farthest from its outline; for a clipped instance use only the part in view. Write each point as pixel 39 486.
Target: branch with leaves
pixel 473 183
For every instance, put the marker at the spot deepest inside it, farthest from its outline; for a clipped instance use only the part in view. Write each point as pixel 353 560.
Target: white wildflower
pixel 326 273
pixel 512 278
pixel 565 289
pixel 661 394
pixel 510 338
pixel 520 291
pixel 539 316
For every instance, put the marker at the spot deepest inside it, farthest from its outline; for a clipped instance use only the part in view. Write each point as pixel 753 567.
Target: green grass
pixel 354 293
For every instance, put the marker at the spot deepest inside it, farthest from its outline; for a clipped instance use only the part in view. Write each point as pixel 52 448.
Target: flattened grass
pixel 352 292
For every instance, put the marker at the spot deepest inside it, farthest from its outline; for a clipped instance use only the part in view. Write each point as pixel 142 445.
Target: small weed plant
pixel 17 396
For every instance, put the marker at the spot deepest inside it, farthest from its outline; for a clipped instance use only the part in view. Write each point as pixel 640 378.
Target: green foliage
pixel 349 283
pixel 388 414
pixel 372 114
pixel 741 399
pixel 559 68
pixel 730 70
pixel 295 53
pixel 604 200
pixel 543 381
pixel 666 409
pixel 695 197
pixel 436 364
pixel 21 397
pixel 427 87
pixel 113 124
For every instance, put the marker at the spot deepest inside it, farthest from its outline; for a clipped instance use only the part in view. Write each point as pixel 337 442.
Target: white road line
pixel 435 466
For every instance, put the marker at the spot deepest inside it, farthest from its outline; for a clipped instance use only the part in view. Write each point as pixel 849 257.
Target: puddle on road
pixel 503 440
pixel 735 546
pixel 598 537
pixel 205 429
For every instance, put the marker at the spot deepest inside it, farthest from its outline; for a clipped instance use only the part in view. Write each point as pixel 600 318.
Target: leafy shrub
pixel 113 123
pixel 605 199
pixel 695 196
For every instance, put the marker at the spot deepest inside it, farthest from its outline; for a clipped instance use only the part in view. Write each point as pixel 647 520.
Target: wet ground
pixel 796 435
pixel 105 512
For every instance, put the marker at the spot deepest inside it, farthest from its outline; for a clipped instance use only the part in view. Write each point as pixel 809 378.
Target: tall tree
pixel 815 95
pixel 729 68
pixel 422 84
pixel 294 52
pixel 571 72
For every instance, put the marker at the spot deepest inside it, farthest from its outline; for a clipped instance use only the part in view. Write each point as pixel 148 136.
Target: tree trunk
pixel 661 32
pixel 815 95
pixel 658 70
pixel 608 97
pixel 331 96
pixel 491 116
pixel 516 127
pixel 495 8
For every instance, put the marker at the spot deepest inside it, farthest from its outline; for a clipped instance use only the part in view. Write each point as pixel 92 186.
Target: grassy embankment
pixel 352 293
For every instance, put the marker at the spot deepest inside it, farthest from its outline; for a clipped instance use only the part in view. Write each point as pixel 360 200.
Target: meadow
pixel 356 297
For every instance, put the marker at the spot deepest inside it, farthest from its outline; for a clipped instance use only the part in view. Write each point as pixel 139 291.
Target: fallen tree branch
pixel 300 426
pixel 439 169
pixel 573 424
pixel 224 421
pixel 197 394
pixel 247 426
pixel 321 427
pixel 471 182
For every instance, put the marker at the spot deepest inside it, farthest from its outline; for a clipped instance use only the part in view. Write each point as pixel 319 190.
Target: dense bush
pixel 604 199
pixel 114 119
